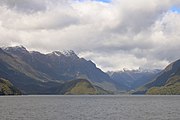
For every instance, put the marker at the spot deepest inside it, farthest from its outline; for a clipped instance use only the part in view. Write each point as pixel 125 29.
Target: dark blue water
pixel 90 108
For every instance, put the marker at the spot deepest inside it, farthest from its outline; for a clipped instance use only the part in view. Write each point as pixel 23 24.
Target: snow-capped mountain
pixel 132 79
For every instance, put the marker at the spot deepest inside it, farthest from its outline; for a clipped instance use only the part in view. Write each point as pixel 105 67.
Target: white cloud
pixel 124 33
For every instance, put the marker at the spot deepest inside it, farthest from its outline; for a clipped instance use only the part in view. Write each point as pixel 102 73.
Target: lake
pixel 110 107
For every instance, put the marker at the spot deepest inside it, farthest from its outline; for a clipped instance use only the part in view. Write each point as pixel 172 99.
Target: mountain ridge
pixel 167 82
pixel 33 71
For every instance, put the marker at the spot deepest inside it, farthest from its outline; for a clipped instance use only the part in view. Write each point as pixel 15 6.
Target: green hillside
pixel 172 87
pixel 167 83
pixel 82 87
pixel 6 88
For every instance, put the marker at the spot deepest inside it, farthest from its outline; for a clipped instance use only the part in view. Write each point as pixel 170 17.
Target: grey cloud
pixel 25 5
pixel 56 17
pixel 124 33
pixel 139 15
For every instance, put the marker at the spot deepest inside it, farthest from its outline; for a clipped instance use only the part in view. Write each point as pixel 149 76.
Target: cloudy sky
pixel 115 34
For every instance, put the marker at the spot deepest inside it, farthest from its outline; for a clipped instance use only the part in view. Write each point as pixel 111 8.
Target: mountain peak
pixel 57 53
pixel 68 53
pixel 16 48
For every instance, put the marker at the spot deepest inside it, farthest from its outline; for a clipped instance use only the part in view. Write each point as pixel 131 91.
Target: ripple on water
pixel 90 108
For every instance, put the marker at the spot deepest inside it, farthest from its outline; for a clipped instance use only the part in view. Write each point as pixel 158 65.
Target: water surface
pixel 90 107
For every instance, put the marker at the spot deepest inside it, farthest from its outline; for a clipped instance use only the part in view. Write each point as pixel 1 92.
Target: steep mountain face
pixel 21 75
pixel 132 79
pixel 168 82
pixel 37 73
pixel 6 88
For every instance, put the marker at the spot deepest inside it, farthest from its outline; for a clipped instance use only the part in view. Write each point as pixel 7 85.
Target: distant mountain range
pixel 166 83
pixel 132 79
pixel 37 73
pixel 32 72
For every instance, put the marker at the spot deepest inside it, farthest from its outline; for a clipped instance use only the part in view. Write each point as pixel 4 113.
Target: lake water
pixel 90 107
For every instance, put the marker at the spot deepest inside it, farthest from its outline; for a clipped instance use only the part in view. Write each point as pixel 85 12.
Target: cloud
pixel 25 5
pixel 114 34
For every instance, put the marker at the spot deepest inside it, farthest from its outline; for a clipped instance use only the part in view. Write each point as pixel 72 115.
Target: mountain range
pixel 37 73
pixel 32 72
pixel 133 79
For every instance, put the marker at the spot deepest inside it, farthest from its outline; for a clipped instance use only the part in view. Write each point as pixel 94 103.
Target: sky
pixel 115 34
